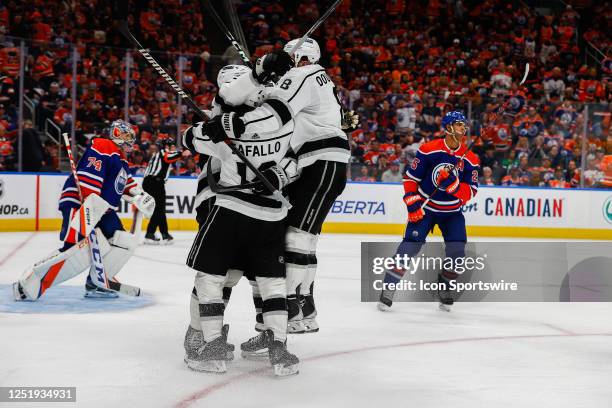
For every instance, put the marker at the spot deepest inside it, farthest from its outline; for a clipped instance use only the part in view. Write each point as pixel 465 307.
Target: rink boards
pixel 28 202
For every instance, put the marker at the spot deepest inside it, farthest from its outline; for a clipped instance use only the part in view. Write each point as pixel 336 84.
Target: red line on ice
pixel 16 249
pixel 205 392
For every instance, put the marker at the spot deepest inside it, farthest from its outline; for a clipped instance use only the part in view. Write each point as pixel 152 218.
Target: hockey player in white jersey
pixel 246 228
pixel 307 95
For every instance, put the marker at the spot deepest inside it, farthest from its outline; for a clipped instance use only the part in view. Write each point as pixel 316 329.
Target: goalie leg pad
pixel 59 267
pixel 86 217
pixel 121 248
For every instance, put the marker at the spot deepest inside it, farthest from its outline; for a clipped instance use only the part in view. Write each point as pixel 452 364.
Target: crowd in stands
pixel 399 64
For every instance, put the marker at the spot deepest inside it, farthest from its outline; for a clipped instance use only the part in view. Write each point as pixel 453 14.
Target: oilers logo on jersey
pixel 121 181
pixel 445 166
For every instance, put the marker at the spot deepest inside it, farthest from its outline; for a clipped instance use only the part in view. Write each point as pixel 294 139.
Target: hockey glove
pixel 447 181
pixel 276 63
pixel 145 203
pixel 222 127
pixel 414 202
pixel 350 121
pixel 276 176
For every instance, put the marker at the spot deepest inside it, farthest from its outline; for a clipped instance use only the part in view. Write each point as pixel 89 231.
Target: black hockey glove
pixel 222 127
pixel 350 121
pixel 276 176
pixel 276 63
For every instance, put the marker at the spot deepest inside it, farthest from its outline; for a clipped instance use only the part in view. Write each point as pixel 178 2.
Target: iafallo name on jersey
pixel 260 149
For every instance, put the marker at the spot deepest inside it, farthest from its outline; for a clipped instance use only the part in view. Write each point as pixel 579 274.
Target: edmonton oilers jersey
pixel 430 159
pixel 102 170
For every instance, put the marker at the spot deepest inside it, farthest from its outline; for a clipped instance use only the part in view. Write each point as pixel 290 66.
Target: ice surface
pixel 480 355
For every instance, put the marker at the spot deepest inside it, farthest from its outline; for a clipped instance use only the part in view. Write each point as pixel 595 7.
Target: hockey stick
pixel 124 29
pixel 98 274
pixel 315 26
pixel 228 34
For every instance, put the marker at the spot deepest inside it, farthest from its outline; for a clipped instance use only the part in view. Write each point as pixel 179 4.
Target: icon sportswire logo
pixel 607 210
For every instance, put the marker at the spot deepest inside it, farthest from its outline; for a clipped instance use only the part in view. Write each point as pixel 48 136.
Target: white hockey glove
pixel 276 175
pixel 86 218
pixel 145 203
pixel 350 121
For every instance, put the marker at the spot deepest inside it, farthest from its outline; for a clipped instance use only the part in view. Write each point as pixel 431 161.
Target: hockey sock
pixel 274 306
pixel 210 295
pixel 194 310
pixel 257 301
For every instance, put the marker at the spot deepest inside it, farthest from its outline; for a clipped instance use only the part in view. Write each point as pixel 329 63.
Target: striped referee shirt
pixel 159 165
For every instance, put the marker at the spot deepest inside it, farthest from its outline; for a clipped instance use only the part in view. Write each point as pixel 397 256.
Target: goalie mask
pixel 122 133
pixel 309 49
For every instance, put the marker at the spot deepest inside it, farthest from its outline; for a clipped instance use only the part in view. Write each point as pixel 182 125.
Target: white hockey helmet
pixel 230 73
pixel 309 48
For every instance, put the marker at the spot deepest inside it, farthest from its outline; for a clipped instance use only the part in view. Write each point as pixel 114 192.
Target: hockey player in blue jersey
pixel 103 178
pixel 441 179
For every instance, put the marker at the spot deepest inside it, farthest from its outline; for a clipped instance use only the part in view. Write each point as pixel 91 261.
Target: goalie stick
pixel 97 274
pixel 124 29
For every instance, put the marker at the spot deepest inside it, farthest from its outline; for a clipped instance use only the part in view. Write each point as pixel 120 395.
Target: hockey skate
pixel 310 323
pixel 18 293
pixel 385 302
pixel 445 296
pixel 295 325
pixel 256 348
pixel 210 357
pixel 94 292
pixel 194 342
pixel 283 362
pixel 151 239
pixel 259 324
pixel 167 239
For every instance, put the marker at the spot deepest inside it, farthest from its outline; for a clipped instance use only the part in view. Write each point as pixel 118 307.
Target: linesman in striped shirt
pixel 154 183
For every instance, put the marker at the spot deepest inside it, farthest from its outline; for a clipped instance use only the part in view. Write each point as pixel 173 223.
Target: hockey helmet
pixel 230 73
pixel 309 49
pixel 122 133
pixel 453 117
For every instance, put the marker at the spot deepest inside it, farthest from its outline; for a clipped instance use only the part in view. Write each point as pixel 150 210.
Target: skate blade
pixel 260 355
pixel 150 242
pixel 444 308
pixel 282 371
pixel 166 243
pixel 311 325
pixel 296 327
pixel 211 366
pixel 98 295
pixel 311 330
pixel 383 308
pixel 18 295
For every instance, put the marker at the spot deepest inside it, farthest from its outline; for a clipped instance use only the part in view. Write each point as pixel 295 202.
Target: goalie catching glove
pixel 142 200
pixel 223 127
pixel 270 65
pixel 276 175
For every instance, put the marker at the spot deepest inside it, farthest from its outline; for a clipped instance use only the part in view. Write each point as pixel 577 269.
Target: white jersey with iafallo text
pixel 308 96
pixel 261 149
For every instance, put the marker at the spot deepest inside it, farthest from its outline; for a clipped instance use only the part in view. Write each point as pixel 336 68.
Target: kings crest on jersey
pixel 102 170
pixel 430 159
